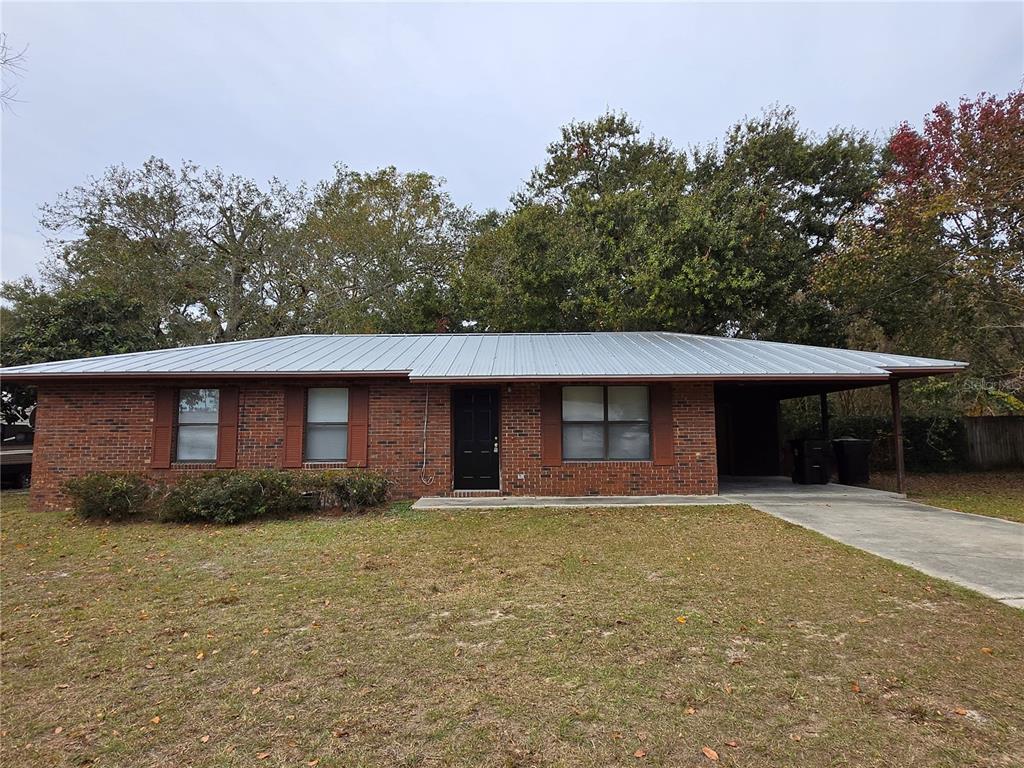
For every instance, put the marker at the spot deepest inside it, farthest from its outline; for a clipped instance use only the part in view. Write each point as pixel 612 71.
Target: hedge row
pixel 225 497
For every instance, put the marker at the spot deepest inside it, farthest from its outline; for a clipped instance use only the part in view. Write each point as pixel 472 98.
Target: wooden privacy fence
pixel 995 441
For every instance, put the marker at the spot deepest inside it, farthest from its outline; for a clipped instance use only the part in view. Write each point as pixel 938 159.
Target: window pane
pixel 627 403
pixel 198 406
pixel 326 443
pixel 327 404
pixel 197 442
pixel 582 441
pixel 629 441
pixel 582 403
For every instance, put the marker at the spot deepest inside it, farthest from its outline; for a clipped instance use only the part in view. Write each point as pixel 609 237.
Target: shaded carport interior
pixel 748 425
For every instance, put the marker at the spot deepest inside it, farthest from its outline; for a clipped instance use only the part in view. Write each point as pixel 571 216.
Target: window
pixel 198 411
pixel 600 423
pixel 327 424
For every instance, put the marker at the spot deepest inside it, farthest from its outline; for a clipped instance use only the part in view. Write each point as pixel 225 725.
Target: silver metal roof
pixel 498 356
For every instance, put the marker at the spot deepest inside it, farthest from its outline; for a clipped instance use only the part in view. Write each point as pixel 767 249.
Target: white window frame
pixel 328 425
pixel 185 426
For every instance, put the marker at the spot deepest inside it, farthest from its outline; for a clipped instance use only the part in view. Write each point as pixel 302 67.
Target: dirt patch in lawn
pixel 588 637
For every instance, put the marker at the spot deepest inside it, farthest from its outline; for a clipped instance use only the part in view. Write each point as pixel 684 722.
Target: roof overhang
pixel 490 358
pixel 33 378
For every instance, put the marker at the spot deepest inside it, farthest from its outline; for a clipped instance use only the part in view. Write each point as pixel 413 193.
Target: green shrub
pixel 349 489
pixel 929 444
pixel 233 497
pixel 110 495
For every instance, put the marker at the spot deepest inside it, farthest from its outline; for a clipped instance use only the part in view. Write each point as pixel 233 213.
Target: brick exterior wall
pixel 694 471
pixel 108 426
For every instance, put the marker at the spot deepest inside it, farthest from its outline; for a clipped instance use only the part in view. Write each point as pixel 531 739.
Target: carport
pixel 748 428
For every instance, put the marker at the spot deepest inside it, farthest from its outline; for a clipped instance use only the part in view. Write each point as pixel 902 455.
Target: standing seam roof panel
pixel 455 356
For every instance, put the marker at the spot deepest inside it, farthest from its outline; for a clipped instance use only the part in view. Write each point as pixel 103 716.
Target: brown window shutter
pixel 163 427
pixel 551 425
pixel 662 426
pixel 227 428
pixel 294 423
pixel 358 425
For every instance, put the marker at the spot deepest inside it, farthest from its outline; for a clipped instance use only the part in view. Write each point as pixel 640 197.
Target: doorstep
pixel 507 502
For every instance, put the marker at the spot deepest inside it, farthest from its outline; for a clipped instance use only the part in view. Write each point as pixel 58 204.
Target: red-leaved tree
pixel 936 265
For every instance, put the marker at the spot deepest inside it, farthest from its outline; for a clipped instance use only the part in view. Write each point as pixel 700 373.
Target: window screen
pixel 606 423
pixel 198 411
pixel 327 424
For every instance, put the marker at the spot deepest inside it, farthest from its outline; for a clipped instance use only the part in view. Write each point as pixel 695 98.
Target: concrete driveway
pixel 983 553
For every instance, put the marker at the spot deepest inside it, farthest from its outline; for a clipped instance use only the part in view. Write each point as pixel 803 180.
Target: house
pixel 521 414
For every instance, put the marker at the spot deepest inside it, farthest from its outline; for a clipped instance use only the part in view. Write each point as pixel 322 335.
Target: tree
pixel 619 232
pixel 936 265
pixel 209 254
pixel 380 252
pixel 783 193
pixel 12 65
pixel 217 257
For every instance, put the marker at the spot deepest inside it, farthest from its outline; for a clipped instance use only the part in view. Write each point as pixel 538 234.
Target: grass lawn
pixel 995 494
pixel 506 638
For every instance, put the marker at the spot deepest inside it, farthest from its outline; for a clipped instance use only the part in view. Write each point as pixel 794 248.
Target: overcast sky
pixel 473 93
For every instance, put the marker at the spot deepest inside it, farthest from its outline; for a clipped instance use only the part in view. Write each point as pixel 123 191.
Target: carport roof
pixel 646 355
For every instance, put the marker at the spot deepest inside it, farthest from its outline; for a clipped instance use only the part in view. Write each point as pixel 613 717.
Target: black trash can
pixel 852 460
pixel 810 461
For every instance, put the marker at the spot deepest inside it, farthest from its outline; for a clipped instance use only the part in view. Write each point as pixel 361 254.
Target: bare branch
pixel 12 65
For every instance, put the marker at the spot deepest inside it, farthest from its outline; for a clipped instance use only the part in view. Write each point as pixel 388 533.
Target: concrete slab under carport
pixel 985 554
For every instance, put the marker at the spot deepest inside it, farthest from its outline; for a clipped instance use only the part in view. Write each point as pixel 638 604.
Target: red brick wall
pixel 694 471
pixel 108 426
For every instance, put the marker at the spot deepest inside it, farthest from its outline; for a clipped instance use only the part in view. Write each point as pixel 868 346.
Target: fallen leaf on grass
pixel 960 711
pixel 58 731
pixel 314 762
pixel 256 691
pixel 710 754
pixel 732 744
pixel 155 720
pixel 200 656
pixel 691 711
pixel 855 687
pixel 262 755
pixel 204 739
pixel 987 650
pixel 640 753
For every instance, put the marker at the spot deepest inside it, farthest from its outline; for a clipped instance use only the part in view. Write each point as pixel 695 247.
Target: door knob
pixel 495 445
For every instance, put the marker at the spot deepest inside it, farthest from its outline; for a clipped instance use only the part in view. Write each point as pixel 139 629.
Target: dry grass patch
pixel 506 638
pixel 994 494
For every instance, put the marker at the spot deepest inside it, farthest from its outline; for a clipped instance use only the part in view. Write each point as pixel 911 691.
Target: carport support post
pixel 823 404
pixel 897 435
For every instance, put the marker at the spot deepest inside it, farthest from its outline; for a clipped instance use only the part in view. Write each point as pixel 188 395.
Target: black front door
pixel 476 438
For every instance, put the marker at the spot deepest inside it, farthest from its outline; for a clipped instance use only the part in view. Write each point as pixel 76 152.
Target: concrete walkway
pixel 983 553
pixel 498 502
